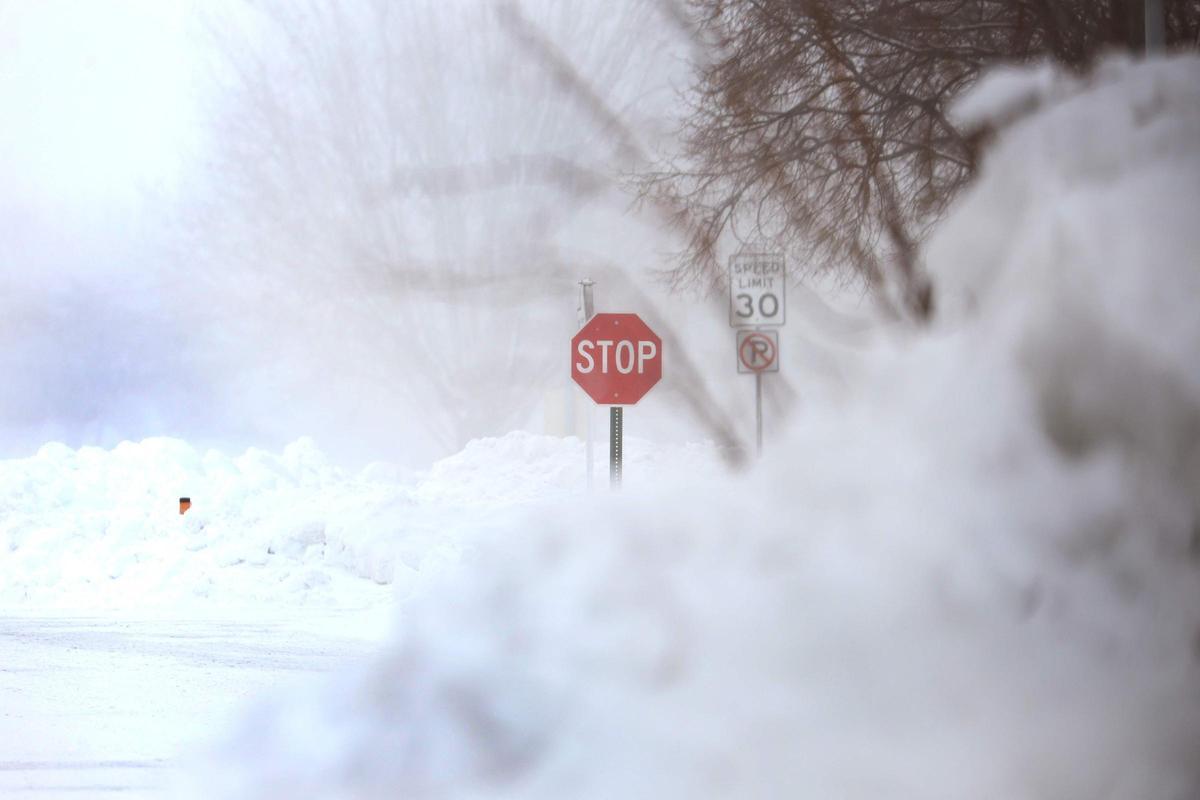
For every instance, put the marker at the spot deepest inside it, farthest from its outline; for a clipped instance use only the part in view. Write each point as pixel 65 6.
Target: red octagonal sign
pixel 616 358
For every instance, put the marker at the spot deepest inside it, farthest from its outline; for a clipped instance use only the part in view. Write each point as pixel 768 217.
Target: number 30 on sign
pixel 757 289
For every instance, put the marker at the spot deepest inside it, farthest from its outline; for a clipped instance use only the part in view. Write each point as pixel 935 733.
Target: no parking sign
pixel 757 351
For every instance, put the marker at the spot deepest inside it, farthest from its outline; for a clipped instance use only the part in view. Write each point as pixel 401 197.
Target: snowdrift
pixel 92 527
pixel 975 579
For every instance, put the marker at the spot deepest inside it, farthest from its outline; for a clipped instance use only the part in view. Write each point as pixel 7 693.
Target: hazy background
pixel 241 224
pixel 100 136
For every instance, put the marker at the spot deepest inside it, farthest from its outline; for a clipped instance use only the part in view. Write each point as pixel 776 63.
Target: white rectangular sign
pixel 757 289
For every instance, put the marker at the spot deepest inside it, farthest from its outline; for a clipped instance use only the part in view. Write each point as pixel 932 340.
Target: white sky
pixel 96 99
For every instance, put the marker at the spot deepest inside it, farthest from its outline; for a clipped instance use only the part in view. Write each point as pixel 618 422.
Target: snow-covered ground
pixel 130 635
pixel 104 704
pixel 94 528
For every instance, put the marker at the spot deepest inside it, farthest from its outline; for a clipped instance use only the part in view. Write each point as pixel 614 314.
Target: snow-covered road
pixel 131 635
pixel 104 707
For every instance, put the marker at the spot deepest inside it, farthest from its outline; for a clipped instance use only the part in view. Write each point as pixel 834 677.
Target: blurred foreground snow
pixel 974 580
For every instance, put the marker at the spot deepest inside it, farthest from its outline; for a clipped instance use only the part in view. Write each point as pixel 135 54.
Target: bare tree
pixel 820 125
pixel 400 172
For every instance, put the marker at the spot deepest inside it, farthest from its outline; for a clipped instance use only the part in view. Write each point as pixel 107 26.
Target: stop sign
pixel 616 358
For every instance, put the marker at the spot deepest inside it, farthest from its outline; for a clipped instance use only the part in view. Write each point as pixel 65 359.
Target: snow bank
pixel 973 580
pixel 93 526
pixel 101 527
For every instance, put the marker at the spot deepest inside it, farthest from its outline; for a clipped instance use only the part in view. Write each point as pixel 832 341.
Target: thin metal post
pixel 587 310
pixel 758 410
pixel 590 448
pixel 1156 26
pixel 615 446
pixel 586 304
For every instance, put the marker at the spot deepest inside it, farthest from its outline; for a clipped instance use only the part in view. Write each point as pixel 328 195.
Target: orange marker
pixel 184 504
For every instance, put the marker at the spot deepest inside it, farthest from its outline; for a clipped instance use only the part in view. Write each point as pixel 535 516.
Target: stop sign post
pixel 616 359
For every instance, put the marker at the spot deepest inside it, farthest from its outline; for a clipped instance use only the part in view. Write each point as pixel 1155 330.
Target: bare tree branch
pixel 820 125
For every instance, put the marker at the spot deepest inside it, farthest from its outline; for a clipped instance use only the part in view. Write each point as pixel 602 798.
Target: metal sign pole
pixel 1155 26
pixel 586 312
pixel 590 466
pixel 758 410
pixel 615 435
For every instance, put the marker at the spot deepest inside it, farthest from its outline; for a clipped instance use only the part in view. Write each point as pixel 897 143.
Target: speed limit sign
pixel 757 289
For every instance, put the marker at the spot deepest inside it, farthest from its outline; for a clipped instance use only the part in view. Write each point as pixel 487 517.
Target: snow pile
pixel 97 527
pixel 523 468
pixel 94 526
pixel 1007 93
pixel 974 580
